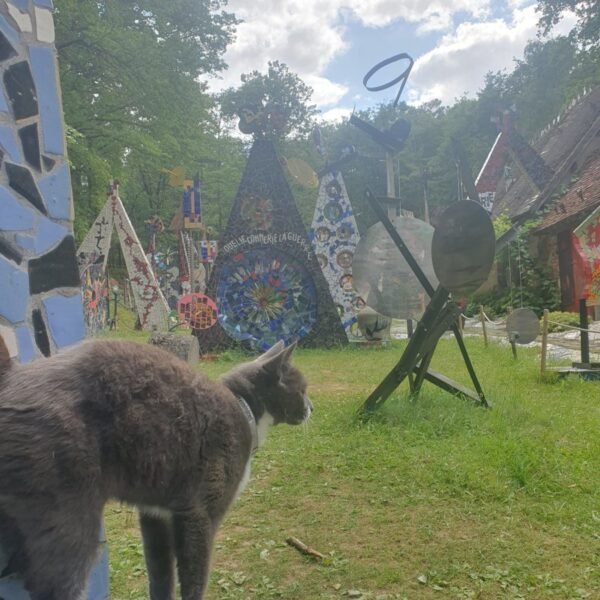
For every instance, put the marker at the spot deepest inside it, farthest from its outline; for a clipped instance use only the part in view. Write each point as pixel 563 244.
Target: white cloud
pixel 307 35
pixel 336 114
pixel 460 61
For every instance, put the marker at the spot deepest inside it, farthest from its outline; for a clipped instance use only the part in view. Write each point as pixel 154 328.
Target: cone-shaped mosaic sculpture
pixel 150 303
pixel 334 237
pixel 266 279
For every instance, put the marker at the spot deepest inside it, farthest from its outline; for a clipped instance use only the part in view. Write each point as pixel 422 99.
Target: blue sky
pixel 331 44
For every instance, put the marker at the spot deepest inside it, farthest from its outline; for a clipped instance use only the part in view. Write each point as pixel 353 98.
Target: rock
pixel 183 346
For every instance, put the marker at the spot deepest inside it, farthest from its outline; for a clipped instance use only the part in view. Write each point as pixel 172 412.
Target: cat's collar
pixel 251 421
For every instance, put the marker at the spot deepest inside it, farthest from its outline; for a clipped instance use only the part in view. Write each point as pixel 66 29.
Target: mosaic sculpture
pixel 150 304
pixel 266 279
pixel 41 309
pixel 334 236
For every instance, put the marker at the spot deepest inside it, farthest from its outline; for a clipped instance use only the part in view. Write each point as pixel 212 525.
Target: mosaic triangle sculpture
pixel 151 306
pixel 334 236
pixel 266 279
pixel 40 299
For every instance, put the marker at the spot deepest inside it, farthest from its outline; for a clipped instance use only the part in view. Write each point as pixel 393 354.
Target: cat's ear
pixel 273 363
pixel 272 351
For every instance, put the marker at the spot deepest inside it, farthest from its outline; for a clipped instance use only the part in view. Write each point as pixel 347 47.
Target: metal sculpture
pixel 440 315
pixel 522 327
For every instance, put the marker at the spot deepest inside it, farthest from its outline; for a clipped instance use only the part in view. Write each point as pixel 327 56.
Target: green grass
pixel 433 498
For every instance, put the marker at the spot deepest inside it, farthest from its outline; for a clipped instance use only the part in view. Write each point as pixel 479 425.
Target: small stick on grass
pixel 303 548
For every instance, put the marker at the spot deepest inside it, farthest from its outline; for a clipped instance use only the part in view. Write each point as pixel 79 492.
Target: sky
pixel 331 44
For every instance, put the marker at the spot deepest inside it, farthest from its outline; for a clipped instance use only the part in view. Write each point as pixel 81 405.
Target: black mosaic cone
pixel 266 267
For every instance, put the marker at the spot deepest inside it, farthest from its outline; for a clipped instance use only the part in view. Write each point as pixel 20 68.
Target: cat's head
pixel 272 384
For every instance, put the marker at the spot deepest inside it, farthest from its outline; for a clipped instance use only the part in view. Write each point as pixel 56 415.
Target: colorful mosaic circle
pixel 333 211
pixel 265 296
pixel 344 259
pixel 197 310
pixel 322 234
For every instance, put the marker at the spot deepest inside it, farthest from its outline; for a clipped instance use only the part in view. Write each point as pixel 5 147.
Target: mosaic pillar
pixel 334 237
pixel 40 300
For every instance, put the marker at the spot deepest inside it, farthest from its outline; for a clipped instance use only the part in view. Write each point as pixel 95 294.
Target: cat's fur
pixel 118 420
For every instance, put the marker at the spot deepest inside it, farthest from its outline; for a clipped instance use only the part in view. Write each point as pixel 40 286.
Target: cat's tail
pixel 5 360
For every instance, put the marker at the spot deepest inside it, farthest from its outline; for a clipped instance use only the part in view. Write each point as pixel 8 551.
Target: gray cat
pixel 118 420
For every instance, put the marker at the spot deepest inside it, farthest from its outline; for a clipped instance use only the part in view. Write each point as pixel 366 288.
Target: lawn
pixel 433 498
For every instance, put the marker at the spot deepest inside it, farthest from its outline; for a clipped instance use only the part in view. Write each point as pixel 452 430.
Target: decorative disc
pixel 381 275
pixel 463 247
pixel 265 296
pixel 522 326
pixel 197 310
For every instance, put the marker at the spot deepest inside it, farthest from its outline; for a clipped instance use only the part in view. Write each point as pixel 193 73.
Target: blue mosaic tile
pixel 12 588
pixel 48 235
pixel 27 351
pixel 56 191
pixel 8 31
pixel 9 143
pixel 44 3
pixel 13 306
pixel 13 215
pixel 22 4
pixel 25 242
pixel 43 68
pixel 9 250
pixel 65 319
pixel 3 102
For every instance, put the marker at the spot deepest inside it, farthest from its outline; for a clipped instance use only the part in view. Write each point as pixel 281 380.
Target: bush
pixel 560 321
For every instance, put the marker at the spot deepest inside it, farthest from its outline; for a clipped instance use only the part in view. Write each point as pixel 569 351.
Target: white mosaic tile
pixel 23 20
pixel 10 339
pixel 45 25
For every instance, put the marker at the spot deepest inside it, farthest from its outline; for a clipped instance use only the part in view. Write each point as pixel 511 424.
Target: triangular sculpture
pixel 266 280
pixel 92 256
pixel 334 237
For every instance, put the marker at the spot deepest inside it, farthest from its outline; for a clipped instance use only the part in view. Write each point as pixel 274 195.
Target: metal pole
pixel 585 339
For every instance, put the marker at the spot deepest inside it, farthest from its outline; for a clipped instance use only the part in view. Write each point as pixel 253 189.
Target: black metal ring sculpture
pixel 403 77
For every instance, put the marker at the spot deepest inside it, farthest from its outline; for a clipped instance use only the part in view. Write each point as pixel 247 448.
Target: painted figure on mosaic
pixel 334 236
pixel 41 306
pixel 150 303
pixel 266 279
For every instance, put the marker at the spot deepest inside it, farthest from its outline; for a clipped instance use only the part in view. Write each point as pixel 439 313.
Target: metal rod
pixel 585 338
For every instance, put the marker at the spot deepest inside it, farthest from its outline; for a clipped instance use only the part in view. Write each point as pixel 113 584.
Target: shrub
pixel 560 321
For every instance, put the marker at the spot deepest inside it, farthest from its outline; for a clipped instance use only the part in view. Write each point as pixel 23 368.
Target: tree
pixel 279 89
pixel 130 92
pixel 587 30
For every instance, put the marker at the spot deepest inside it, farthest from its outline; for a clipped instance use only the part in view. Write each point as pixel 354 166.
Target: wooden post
pixel 391 180
pixel 544 343
pixel 482 319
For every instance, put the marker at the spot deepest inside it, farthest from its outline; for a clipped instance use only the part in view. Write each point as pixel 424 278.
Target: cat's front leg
pixel 194 532
pixel 159 552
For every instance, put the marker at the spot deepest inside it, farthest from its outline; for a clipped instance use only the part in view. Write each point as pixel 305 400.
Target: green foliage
pixel 502 224
pixel 562 321
pixel 587 30
pixel 278 87
pixel 130 92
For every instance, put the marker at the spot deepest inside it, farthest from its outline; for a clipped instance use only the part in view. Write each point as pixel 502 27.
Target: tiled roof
pixel 582 197
pixel 554 145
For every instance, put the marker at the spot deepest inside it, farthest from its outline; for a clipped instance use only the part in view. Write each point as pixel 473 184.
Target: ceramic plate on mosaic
pixel 381 275
pixel 265 296
pixel 463 247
